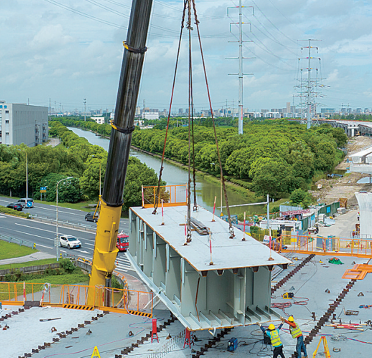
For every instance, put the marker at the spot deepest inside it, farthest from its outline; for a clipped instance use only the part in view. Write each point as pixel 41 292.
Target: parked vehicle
pixel 69 241
pixel 26 202
pixel 122 242
pixel 15 206
pixel 91 217
pixel 334 176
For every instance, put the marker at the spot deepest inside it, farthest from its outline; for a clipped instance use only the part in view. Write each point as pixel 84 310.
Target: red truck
pixel 122 242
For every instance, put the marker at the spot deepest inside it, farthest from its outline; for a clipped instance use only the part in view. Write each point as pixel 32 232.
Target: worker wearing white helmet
pixel 296 334
pixel 273 334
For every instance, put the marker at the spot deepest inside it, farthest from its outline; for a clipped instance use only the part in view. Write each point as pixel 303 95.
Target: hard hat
pixel 271 327
pixel 290 319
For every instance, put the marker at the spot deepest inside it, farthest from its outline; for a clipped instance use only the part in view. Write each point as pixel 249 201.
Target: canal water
pixel 172 174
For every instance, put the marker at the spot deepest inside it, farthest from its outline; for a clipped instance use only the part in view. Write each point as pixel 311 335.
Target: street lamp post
pixel 57 243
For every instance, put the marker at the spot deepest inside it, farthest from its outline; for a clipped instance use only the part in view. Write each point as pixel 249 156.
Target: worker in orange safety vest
pixel 273 334
pixel 296 334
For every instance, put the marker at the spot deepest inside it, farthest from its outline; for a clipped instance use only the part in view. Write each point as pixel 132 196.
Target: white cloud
pixel 49 51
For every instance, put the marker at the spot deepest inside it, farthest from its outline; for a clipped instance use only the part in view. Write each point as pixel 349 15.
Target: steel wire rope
pixel 273 24
pixel 109 9
pixel 279 68
pixel 265 49
pixel 231 229
pixel 170 106
pixel 78 12
pixel 268 32
pixel 94 18
pixel 188 234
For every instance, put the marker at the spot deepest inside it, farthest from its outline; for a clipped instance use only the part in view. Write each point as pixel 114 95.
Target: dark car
pixel 91 217
pixel 15 206
pixel 331 176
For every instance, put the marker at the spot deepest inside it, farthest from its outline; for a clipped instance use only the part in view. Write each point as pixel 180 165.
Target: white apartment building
pixel 22 123
pixel 99 120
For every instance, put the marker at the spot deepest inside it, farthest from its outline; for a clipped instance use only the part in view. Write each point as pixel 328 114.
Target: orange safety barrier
pixel 358 272
pixel 169 195
pixel 76 297
pixel 328 246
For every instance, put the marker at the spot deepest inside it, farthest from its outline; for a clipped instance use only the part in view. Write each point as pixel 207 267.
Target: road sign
pixel 43 189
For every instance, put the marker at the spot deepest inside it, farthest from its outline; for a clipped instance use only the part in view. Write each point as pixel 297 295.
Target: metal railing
pixel 76 297
pixel 17 241
pixel 63 223
pixel 169 195
pixel 329 246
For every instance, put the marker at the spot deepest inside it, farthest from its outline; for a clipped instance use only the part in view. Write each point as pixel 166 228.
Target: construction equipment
pixel 232 344
pixel 111 201
pixel 288 295
pixel 325 345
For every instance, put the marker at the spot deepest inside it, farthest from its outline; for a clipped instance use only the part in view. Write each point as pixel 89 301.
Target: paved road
pixel 65 215
pixel 43 233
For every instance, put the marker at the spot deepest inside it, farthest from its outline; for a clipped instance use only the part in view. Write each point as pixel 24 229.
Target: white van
pixel 26 202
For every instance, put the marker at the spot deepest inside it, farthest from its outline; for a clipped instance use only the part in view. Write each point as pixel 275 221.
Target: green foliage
pixel 274 157
pixel 13 212
pixel 138 174
pixel 301 197
pixel 115 283
pixel 68 190
pixel 67 265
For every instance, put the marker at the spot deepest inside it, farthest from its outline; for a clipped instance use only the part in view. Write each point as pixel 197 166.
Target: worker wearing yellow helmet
pixel 296 334
pixel 273 334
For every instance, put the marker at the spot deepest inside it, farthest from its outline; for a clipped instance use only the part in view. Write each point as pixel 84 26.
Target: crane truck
pixel 111 200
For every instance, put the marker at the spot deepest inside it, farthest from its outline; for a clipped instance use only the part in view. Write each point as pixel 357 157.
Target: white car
pixel 69 241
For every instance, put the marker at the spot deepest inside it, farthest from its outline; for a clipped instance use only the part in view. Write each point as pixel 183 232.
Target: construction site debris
pixel 48 319
pixel 335 261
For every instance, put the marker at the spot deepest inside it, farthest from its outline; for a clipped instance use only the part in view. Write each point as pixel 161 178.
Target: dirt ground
pixel 345 187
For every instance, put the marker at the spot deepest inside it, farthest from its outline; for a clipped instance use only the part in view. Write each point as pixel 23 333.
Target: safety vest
pixel 274 337
pixel 295 332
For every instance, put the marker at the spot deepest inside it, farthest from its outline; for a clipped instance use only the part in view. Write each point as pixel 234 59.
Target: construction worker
pixel 273 334
pixel 296 333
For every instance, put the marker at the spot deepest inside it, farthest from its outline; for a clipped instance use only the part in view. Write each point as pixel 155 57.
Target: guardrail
pixel 63 223
pixel 17 241
pixel 329 246
pixel 76 297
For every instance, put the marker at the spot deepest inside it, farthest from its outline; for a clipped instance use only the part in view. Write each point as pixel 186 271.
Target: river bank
pixel 208 188
pixel 238 188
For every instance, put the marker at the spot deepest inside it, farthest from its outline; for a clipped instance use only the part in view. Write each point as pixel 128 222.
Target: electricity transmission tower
pixel 240 24
pixel 309 82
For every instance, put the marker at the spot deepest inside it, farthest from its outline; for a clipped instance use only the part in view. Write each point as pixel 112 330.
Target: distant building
pixel 148 113
pixel 98 120
pixel 22 123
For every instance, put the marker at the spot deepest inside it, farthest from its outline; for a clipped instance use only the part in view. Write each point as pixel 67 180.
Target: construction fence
pixel 78 297
pixel 319 245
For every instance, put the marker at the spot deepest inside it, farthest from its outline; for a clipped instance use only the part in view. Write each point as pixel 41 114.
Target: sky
pixel 66 51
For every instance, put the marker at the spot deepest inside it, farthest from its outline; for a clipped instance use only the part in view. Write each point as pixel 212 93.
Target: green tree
pixel 271 176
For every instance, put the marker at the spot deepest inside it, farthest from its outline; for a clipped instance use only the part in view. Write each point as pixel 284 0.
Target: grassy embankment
pixel 65 275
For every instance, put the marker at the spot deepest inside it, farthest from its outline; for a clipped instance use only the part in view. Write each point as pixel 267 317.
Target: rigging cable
pixel 231 229
pixel 189 27
pixel 156 202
